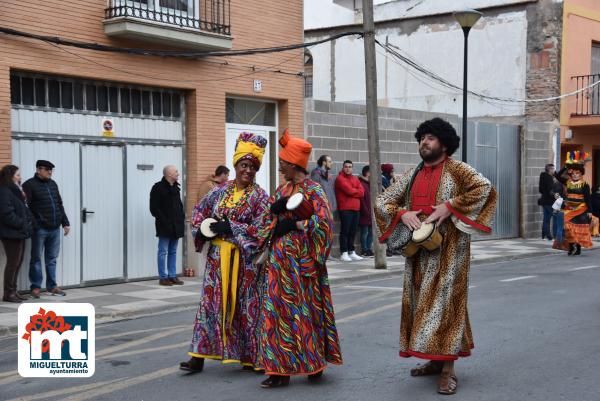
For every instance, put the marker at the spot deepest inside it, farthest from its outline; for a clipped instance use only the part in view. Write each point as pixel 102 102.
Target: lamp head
pixel 468 17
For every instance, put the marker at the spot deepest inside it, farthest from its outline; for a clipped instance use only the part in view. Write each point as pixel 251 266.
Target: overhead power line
pixel 394 51
pixel 174 53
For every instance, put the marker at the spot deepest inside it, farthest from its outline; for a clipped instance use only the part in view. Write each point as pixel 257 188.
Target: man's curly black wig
pixel 442 130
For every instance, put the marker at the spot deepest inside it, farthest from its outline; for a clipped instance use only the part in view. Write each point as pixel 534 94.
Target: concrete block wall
pixel 536 152
pixel 340 130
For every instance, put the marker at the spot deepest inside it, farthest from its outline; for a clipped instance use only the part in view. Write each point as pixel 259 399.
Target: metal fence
pixel 587 102
pixel 205 15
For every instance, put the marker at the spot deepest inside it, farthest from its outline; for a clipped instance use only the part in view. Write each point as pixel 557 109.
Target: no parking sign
pixel 107 128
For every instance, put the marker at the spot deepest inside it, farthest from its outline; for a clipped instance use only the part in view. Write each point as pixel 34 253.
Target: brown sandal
pixel 447 384
pixel 427 369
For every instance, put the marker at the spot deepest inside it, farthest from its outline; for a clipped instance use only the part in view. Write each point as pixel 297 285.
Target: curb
pixel 103 318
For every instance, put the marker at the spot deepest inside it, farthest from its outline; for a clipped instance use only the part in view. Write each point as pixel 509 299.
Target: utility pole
pixel 372 120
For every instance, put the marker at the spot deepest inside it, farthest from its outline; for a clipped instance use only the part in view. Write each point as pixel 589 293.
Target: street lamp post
pixel 466 18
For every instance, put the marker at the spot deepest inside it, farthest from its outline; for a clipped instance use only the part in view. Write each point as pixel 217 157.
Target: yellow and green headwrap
pixel 251 147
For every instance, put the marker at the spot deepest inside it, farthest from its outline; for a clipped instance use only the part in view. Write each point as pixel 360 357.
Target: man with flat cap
pixel 47 208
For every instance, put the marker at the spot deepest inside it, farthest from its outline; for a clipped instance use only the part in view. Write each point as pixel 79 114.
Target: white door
pixel 265 175
pixel 144 167
pixel 65 156
pixel 102 216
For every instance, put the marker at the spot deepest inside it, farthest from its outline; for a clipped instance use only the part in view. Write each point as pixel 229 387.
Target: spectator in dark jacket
pixel 366 215
pixel 16 226
pixel 46 206
pixel 547 199
pixel 322 175
pixel 167 209
pixel 348 192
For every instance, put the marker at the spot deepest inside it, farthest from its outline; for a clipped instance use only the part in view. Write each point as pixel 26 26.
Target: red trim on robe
pixel 392 226
pixel 431 357
pixel 467 220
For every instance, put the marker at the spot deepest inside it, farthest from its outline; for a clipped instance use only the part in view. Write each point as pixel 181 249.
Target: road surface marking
pixel 517 278
pixel 123 384
pixel 105 337
pixel 63 391
pixel 583 268
pixel 370 312
pixel 372 287
pixel 143 340
pixel 361 301
pixel 145 350
pixel 472 286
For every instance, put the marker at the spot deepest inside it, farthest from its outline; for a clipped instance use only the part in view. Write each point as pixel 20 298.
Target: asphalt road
pixel 536 324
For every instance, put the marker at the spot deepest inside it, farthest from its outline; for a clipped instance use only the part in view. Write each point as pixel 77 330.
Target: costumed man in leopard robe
pixel 459 201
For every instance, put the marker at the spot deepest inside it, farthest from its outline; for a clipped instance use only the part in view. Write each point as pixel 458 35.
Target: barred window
pixel 68 94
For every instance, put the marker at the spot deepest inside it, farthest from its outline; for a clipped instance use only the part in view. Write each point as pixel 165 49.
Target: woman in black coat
pixel 16 225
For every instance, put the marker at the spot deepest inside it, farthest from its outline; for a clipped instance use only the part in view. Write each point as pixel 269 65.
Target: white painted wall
pixel 497 66
pixel 331 13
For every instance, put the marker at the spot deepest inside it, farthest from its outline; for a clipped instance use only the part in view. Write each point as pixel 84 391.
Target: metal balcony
pixel 587 102
pixel 194 24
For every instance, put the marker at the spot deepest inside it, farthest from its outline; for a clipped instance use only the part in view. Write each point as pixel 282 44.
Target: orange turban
pixel 295 150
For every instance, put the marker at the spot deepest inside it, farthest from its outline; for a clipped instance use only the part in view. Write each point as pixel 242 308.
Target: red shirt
pixel 425 187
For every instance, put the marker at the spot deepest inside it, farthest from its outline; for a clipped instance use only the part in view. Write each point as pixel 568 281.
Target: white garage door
pixel 104 177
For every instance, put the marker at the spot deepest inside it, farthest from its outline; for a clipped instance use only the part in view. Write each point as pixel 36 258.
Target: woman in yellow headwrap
pixel 227 320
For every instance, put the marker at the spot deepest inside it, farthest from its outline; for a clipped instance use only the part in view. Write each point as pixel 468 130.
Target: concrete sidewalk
pixel 135 299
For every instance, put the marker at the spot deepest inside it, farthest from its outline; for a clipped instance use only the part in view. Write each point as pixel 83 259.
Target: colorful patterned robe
pixel 577 205
pixel 435 322
pixel 233 337
pixel 299 335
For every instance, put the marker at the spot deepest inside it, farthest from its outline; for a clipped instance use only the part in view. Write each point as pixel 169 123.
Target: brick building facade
pixel 204 88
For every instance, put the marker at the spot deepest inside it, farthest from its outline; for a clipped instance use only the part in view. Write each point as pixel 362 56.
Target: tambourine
pixel 205 227
pixel 300 206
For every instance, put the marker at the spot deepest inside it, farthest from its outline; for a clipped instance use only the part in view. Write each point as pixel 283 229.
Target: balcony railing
pixel 205 15
pixel 587 102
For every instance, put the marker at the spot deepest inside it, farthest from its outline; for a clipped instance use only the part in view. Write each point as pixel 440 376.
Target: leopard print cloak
pixel 435 321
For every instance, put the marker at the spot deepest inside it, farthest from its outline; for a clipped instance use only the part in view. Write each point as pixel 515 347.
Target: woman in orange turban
pixel 298 335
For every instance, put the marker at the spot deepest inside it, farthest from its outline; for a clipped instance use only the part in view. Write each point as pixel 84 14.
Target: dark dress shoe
pixel 315 376
pixel 577 250
pixel 194 365
pixel 165 281
pixel 24 297
pixel 275 381
pixel 571 249
pixel 176 281
pixel 11 297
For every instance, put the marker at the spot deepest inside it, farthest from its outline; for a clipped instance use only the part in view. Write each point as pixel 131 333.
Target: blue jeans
pixel 546 223
pixel 48 242
pixel 366 238
pixel 558 226
pixel 167 247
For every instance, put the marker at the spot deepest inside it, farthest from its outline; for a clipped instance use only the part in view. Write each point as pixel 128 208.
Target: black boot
pixel 24 297
pixel 315 376
pixel 11 296
pixel 571 249
pixel 275 381
pixel 577 250
pixel 194 365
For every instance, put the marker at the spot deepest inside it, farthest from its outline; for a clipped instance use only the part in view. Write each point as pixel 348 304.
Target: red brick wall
pixel 255 23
